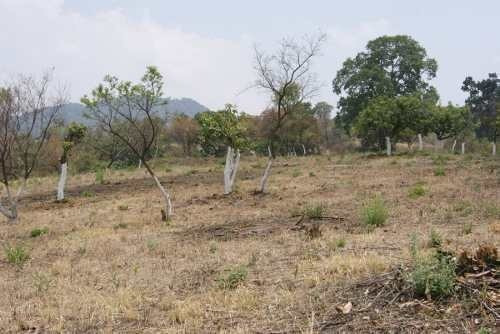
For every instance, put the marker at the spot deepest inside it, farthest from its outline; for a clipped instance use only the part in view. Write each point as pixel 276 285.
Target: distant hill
pixel 73 112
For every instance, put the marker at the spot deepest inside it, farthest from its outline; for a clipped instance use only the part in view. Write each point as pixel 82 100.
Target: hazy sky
pixel 205 48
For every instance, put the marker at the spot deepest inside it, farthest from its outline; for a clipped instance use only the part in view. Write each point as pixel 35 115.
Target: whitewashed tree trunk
pixel 304 149
pixel 166 197
pixel 140 164
pixel 263 181
pixel 420 142
pixel 494 149
pixel 294 152
pixel 230 169
pixel 62 181
pixel 463 147
pixel 453 146
pixel 388 146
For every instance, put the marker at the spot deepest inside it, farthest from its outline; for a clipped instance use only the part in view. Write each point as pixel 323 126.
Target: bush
pixel 439 171
pixel 374 213
pixel 16 255
pixel 435 239
pixel 433 277
pixel 233 278
pixel 416 191
pixel 315 211
pixel 38 232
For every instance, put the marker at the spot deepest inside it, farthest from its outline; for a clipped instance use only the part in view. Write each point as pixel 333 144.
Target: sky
pixel 204 49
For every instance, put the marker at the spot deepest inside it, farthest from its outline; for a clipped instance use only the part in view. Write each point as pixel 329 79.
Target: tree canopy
pixel 390 66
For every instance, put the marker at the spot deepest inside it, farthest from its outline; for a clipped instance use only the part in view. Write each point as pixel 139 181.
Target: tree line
pixel 385 96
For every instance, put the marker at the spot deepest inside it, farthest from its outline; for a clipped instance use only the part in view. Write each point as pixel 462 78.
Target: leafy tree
pixel 74 135
pixel 223 128
pixel 323 112
pixel 392 117
pixel 114 103
pixel 450 121
pixel 484 101
pixel 391 66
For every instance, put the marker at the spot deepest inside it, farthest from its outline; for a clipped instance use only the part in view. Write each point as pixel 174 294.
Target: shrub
pixel 296 173
pixel 467 228
pixel 416 191
pixel 374 213
pixel 315 211
pixel 123 207
pixel 38 232
pixel 340 243
pixel 433 277
pixel 234 277
pixel 120 226
pixel 16 255
pixel 435 239
pixel 99 176
pixel 439 171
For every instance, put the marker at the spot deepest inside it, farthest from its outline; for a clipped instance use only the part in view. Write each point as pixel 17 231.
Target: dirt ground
pixel 108 264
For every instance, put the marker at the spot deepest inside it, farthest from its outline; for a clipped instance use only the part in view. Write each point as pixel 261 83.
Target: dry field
pixel 240 264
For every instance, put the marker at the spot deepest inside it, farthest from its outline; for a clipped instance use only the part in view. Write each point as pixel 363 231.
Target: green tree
pixel 323 112
pixel 116 102
pixel 395 118
pixel 484 102
pixel 391 66
pixel 219 129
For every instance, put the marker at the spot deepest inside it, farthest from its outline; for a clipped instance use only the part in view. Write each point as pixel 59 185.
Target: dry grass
pixel 102 268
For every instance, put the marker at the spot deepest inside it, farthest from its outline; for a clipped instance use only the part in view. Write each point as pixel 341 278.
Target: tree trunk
pixel 167 212
pixel 494 149
pixel 388 146
pixel 62 181
pixel 304 149
pixel 140 164
pixel 230 169
pixel 453 146
pixel 265 176
pixel 420 142
pixel 9 212
pixel 463 148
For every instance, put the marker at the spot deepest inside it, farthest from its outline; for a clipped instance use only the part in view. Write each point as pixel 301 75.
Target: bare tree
pixel 287 76
pixel 137 105
pixel 28 107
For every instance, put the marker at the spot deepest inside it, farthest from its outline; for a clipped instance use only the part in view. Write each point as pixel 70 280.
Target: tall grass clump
pixel 17 255
pixel 374 213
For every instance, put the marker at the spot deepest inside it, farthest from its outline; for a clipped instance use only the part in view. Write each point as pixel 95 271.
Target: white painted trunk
pixel 304 149
pixel 420 142
pixel 453 146
pixel 230 169
pixel 263 181
pixel 265 176
pixel 62 181
pixel 388 146
pixel 140 164
pixel 494 149
pixel 9 212
pixel 166 197
pixel 463 148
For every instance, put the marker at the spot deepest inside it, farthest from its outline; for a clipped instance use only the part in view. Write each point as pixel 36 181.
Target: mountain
pixel 73 112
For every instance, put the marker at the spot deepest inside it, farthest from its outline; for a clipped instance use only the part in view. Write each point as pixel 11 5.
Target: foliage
pixel 391 66
pixel 184 130
pixel 396 118
pixel 315 211
pixel 416 191
pixel 17 255
pixel 439 171
pixel 435 239
pixel 432 276
pixel 374 213
pixel 484 102
pixel 38 232
pixel 451 121
pixel 233 278
pixel 219 129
